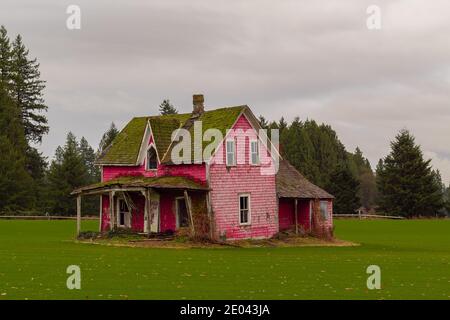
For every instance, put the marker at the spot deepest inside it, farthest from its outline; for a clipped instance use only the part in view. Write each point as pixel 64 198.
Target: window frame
pixel 326 216
pixel 227 151
pixel 177 212
pixel 147 162
pixel 126 217
pixel 258 162
pixel 249 211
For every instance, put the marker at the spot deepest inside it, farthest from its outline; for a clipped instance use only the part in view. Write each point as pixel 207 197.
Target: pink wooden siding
pixel 303 214
pixel 137 216
pixel 193 171
pixel 228 183
pixel 287 214
pixel 167 212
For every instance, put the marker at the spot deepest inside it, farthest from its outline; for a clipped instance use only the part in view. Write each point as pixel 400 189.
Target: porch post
pixel 112 220
pixel 101 213
pixel 295 213
pixel 188 207
pixel 148 206
pixel 78 215
pixel 208 207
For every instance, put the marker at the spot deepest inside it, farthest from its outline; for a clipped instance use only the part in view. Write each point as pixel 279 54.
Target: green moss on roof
pixel 162 128
pixel 221 119
pixel 124 150
pixel 125 147
pixel 163 182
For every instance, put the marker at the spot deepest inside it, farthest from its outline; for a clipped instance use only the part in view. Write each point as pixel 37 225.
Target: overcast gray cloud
pixel 313 59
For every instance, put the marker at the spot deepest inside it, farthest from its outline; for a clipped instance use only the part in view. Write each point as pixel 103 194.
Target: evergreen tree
pixel 90 204
pixel 27 91
pixel 344 187
pixel 107 138
pixel 406 183
pixel 67 172
pixel 5 58
pixel 15 181
pixel 263 122
pixel 298 149
pixel 447 200
pixel 362 170
pixel 167 108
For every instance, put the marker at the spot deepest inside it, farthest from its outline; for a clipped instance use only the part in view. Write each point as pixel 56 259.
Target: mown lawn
pixel 414 257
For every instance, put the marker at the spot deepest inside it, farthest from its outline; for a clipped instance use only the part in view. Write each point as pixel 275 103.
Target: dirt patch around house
pixel 186 243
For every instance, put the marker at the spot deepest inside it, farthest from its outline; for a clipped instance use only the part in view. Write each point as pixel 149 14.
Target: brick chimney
pixel 199 108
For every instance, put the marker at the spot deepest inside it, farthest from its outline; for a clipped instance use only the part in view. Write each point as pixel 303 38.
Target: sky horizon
pixel 315 60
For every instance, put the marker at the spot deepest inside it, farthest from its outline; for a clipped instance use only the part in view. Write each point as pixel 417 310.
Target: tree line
pixel 29 184
pixel 404 183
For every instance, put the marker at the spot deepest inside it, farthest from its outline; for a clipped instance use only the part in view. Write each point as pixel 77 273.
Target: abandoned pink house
pixel 145 189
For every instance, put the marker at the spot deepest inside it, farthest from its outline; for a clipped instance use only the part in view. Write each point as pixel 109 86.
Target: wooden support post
pixel 209 209
pixel 295 213
pixel 101 214
pixel 78 215
pixel 112 220
pixel 188 207
pixel 149 208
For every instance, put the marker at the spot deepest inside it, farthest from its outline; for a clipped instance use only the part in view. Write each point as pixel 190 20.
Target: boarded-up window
pixel 231 152
pixel 324 209
pixel 254 152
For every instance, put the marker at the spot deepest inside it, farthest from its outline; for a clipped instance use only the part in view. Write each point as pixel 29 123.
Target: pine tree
pixel 67 172
pixel 362 170
pixel 15 181
pixel 344 187
pixel 107 138
pixel 90 204
pixel 406 183
pixel 27 91
pixel 263 122
pixel 298 149
pixel 447 201
pixel 5 58
pixel 167 108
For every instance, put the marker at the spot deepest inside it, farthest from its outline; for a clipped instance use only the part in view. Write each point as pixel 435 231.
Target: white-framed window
pixel 324 209
pixel 231 152
pixel 244 209
pixel 152 158
pixel 254 152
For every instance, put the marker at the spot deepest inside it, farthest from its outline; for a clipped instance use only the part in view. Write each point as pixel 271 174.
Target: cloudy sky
pixel 312 59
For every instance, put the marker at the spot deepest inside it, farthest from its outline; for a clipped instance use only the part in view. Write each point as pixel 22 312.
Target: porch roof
pixel 140 182
pixel 292 184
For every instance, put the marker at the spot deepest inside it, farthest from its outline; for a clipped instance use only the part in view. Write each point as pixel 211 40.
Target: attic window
pixel 152 159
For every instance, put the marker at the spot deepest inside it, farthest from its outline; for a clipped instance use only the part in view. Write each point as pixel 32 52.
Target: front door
pixel 182 215
pixel 151 217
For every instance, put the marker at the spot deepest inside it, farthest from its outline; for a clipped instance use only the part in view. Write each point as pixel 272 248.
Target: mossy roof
pixel 221 119
pixel 124 182
pixel 124 150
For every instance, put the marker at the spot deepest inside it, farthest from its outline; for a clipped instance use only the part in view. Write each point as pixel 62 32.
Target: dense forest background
pixel 404 183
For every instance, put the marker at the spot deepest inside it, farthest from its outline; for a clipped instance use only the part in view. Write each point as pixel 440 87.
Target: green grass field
pixel 414 257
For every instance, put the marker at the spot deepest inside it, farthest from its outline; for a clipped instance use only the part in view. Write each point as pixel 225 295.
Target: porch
pixel 150 204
